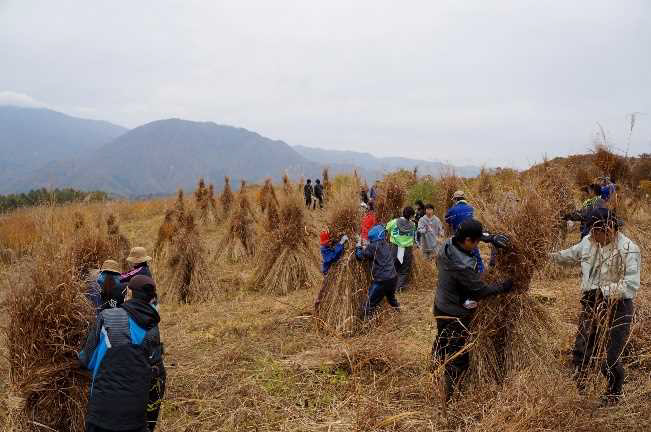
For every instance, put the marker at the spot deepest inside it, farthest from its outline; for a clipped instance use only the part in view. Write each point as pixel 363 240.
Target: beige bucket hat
pixel 111 266
pixel 459 194
pixel 138 255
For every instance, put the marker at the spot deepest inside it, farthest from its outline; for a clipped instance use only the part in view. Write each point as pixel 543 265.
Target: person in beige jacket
pixel 610 279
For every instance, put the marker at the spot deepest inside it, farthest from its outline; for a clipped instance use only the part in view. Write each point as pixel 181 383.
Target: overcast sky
pixel 472 81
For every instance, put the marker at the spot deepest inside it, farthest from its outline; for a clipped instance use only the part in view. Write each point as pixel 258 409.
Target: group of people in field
pixel 123 349
pixel 609 261
pixel 313 194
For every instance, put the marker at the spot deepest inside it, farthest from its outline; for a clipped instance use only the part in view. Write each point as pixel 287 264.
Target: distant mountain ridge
pixel 375 167
pixel 159 157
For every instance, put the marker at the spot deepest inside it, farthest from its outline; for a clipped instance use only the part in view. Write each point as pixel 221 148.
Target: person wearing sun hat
pixel 139 261
pixel 111 289
pixel 124 352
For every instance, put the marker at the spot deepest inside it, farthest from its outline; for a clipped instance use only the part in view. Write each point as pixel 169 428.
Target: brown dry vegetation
pixel 257 360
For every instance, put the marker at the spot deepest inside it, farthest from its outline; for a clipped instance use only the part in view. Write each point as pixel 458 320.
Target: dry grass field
pixel 250 360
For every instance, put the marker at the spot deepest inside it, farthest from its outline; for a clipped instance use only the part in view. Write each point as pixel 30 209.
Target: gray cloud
pixel 500 82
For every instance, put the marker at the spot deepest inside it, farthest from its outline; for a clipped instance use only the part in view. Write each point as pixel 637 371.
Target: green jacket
pixel 401 232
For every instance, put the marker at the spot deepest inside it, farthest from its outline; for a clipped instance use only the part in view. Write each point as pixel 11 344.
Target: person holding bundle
pixel 459 287
pixel 610 280
pixel 330 253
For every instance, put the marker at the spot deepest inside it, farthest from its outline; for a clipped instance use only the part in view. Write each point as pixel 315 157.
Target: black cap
pixel 601 218
pixel 143 287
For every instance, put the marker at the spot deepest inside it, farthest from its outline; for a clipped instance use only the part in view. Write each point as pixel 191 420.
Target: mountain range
pixel 45 148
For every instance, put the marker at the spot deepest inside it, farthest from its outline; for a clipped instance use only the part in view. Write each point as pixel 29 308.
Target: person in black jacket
pixel 383 270
pixel 307 193
pixel 459 286
pixel 318 194
pixel 125 355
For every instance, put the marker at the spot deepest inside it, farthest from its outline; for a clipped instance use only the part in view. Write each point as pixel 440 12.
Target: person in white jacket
pixel 610 279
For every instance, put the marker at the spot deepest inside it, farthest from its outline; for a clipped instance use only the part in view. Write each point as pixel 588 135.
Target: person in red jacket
pixel 368 221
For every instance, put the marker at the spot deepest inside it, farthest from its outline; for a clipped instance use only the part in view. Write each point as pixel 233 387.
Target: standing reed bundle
pixel 390 200
pixel 273 218
pixel 345 287
pixel 119 243
pixel 167 230
pixel 202 202
pixel 286 261
pixel 327 185
pixel 48 319
pixel 240 240
pixel 287 186
pixel 227 197
pixel 186 276
pixel 511 331
pixel 267 194
pixel 179 206
pixel 212 202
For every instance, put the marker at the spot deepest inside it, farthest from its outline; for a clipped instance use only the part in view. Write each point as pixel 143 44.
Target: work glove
pixel 500 241
pixel 344 239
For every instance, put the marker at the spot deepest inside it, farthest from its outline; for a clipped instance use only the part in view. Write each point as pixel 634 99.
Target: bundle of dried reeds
pixel 423 272
pixel 286 261
pixel 47 323
pixel 273 218
pixel 212 202
pixel 89 249
pixel 346 285
pixel 266 194
pixel 227 197
pixel 327 186
pixel 202 202
pixel 179 206
pixel 185 276
pixel 511 331
pixel 240 240
pixel 119 243
pixel 287 186
pixel 390 200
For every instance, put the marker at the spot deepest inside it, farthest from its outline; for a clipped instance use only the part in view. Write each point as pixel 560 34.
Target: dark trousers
pixel 320 198
pixel 92 428
pixel 156 395
pixel 403 268
pixel 601 320
pixel 452 333
pixel 377 292
pixel 308 201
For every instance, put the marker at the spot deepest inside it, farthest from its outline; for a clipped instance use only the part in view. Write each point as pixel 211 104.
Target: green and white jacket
pixel 614 268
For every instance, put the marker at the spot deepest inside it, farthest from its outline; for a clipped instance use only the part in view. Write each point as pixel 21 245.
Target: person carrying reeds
pixel 368 221
pixel 459 287
pixel 330 253
pixel 383 271
pixel 308 191
pixel 402 234
pixel 139 260
pixel 610 280
pixel 125 355
pixel 461 211
pixel 430 230
pixel 594 201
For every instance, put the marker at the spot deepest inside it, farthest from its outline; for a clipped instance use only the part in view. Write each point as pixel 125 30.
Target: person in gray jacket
pixel 610 268
pixel 430 230
pixel 459 286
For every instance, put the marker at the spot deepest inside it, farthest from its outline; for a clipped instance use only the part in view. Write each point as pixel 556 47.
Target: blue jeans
pixel 377 292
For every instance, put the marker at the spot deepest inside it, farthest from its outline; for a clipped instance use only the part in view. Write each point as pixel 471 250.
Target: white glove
pixel 344 239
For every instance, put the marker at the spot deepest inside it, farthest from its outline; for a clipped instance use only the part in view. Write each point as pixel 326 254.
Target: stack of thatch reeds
pixel 390 200
pixel 119 243
pixel 327 185
pixel 227 197
pixel 240 240
pixel 201 200
pixel 48 317
pixel 286 261
pixel 510 331
pixel 346 284
pixel 287 186
pixel 184 273
pixel 266 194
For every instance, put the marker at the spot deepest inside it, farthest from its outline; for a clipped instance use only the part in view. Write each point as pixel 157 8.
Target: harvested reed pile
pixel 287 186
pixel 179 206
pixel 511 331
pixel 327 186
pixel 612 165
pixel 48 319
pixel 390 200
pixel 212 202
pixel 167 230
pixel 240 240
pixel 119 243
pixel 226 199
pixel 186 276
pixel 273 218
pixel 202 202
pixel 345 287
pixel 287 261
pixel 485 186
pixel 422 273
pixel 267 194
pixel 89 249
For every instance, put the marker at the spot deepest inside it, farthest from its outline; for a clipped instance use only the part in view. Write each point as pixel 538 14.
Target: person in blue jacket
pixel 124 353
pixel 383 270
pixel 457 214
pixel 607 188
pixel 330 253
